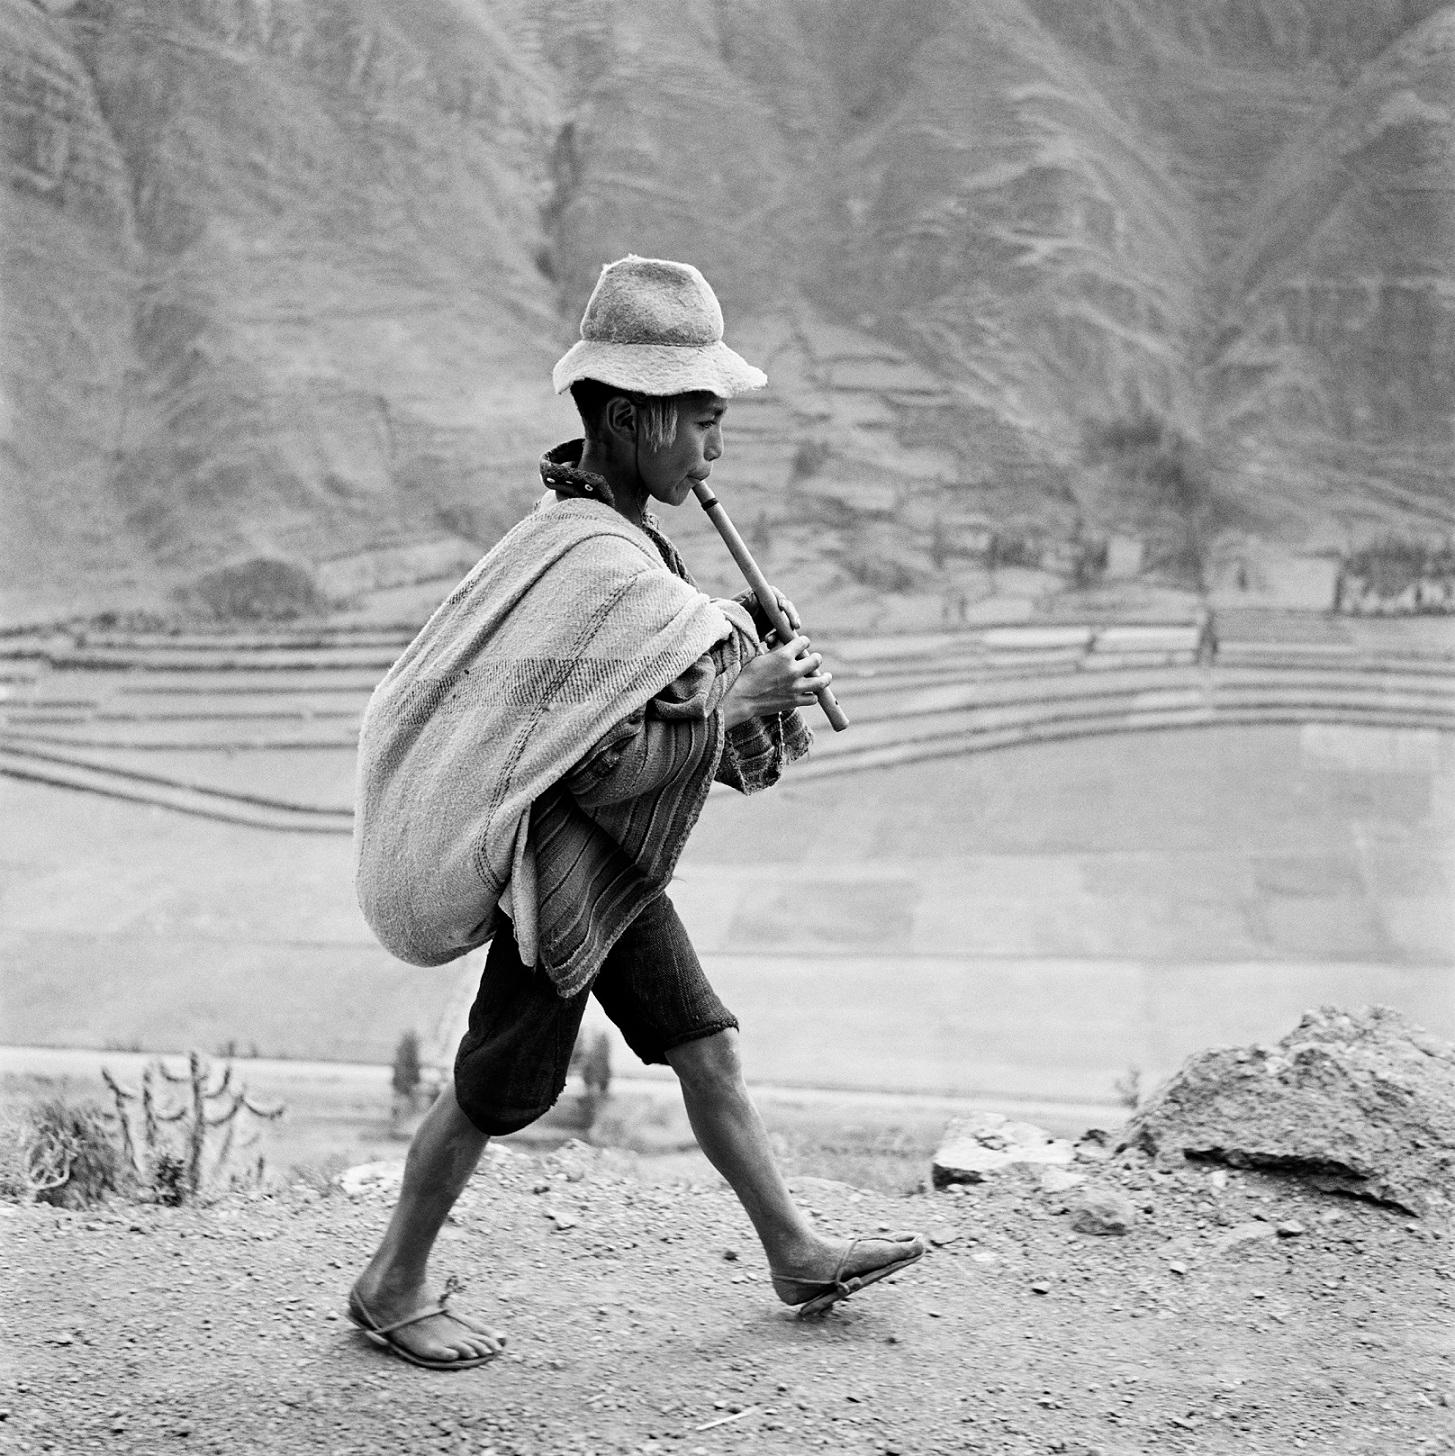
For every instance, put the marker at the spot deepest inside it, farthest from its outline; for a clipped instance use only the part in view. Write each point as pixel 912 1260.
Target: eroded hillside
pixel 284 280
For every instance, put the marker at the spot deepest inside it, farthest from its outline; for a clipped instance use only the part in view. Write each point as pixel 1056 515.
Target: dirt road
pixel 1240 1315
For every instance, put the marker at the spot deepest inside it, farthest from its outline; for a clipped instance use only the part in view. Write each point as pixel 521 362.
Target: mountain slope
pixel 284 281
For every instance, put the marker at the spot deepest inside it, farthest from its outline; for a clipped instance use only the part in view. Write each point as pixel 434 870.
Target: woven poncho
pixel 568 626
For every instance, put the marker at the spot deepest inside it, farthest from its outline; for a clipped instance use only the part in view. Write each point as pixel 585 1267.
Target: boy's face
pixel 669 473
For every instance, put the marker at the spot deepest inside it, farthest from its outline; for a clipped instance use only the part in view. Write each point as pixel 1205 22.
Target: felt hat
pixel 654 327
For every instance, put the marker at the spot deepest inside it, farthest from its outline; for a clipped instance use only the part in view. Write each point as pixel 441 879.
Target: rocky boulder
pixel 1358 1102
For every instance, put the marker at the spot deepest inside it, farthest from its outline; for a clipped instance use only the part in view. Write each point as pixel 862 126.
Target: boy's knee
pixel 708 1060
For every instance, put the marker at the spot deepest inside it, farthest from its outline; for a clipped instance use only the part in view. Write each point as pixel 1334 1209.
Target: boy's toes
pixel 867 1255
pixel 459 1338
pixel 490 1341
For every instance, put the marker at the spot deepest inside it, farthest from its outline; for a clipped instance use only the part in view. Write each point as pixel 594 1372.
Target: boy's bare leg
pixel 731 1133
pixel 444 1153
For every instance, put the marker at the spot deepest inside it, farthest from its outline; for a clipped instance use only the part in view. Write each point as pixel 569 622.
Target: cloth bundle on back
pixel 569 625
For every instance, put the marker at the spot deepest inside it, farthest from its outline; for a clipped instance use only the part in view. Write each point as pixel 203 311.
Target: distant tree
pixel 808 459
pixel 1168 479
pixel 406 1074
pixel 939 544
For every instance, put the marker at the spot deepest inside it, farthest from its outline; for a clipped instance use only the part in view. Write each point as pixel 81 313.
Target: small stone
pixel 1289 1230
pixel 1101 1211
pixel 942 1236
pixel 1239 1234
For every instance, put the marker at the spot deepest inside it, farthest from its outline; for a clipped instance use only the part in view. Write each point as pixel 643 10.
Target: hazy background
pixel 1076 313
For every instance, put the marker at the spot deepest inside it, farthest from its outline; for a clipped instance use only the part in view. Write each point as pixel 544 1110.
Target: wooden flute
pixel 767 597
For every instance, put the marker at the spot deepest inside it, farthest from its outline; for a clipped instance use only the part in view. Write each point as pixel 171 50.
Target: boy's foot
pixel 841 1269
pixel 420 1329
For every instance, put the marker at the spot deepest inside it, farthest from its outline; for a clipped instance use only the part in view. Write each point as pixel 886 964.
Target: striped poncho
pixel 487 751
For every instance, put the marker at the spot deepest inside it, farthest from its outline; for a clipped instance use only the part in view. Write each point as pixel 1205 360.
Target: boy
pixel 529 772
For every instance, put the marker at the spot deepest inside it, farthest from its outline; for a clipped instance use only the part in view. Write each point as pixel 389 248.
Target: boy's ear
pixel 620 417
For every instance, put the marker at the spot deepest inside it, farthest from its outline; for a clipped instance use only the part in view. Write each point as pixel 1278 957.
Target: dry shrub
pixel 70 1155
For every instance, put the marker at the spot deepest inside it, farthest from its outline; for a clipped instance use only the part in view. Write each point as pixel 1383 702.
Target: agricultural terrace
pixel 1183 836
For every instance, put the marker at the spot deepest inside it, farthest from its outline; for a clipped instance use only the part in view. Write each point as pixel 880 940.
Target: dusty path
pixel 640 1322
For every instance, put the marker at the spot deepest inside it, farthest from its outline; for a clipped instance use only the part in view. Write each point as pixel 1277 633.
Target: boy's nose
pixel 713 447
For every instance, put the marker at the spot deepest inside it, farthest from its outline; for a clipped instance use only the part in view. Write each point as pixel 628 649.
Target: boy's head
pixel 655 414
pixel 652 330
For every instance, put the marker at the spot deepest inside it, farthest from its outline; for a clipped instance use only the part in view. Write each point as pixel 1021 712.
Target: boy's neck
pixel 628 490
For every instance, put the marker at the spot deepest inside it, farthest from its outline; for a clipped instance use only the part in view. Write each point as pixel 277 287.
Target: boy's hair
pixel 657 412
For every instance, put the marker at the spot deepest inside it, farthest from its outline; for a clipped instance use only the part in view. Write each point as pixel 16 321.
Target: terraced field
pixel 260 729
pixel 1161 852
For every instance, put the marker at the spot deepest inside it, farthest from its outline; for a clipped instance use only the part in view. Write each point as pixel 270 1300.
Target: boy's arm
pixel 644 753
pixel 666 738
pixel 641 754
pixel 659 742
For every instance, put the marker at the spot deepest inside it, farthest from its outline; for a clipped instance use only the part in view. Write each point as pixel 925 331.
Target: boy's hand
pixel 770 634
pixel 776 681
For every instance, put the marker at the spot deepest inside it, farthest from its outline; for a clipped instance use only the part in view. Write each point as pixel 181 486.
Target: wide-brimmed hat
pixel 653 326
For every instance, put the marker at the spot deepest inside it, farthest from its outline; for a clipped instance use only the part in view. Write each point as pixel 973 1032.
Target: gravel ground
pixel 1241 1313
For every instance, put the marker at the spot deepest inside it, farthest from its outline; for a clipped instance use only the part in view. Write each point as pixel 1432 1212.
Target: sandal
pixel 815 1296
pixel 382 1335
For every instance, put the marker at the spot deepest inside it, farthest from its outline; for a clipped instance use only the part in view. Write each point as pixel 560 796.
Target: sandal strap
pixel 846 1283
pixel 854 1282
pixel 411 1319
pixel 838 1280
